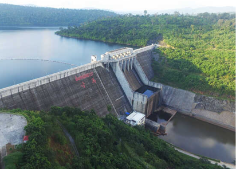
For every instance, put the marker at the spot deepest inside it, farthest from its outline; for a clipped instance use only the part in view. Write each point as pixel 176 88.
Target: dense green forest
pixel 101 142
pixel 15 15
pixel 197 53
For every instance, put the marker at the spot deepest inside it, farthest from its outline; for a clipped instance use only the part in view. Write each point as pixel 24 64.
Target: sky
pixel 124 5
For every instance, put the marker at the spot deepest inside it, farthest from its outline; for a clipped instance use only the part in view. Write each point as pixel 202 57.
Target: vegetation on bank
pixel 15 15
pixel 101 142
pixel 47 146
pixel 197 53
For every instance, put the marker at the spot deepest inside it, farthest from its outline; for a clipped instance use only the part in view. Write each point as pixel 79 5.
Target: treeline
pixel 15 15
pixel 101 142
pixel 197 53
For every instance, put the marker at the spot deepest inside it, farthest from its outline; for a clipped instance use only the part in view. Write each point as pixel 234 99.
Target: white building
pixel 135 118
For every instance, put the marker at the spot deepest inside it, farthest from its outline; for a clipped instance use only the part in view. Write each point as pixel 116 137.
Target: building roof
pixel 26 138
pixel 136 116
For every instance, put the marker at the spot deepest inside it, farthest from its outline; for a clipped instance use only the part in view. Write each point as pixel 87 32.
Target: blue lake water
pixel 42 43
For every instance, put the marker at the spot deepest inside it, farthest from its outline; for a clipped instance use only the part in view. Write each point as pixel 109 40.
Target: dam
pixel 120 80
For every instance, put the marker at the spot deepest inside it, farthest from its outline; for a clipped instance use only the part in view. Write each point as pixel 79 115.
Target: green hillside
pixel 15 15
pixel 197 53
pixel 103 143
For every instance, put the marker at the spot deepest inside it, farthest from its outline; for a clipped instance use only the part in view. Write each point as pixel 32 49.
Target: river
pixel 201 138
pixel 41 43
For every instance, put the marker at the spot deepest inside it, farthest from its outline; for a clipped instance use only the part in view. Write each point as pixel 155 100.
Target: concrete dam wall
pixel 88 87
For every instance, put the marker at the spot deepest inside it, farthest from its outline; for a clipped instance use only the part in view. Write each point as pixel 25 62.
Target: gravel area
pixel 11 129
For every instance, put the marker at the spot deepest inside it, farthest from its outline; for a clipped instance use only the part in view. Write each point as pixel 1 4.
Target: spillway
pixel 133 79
pixel 145 60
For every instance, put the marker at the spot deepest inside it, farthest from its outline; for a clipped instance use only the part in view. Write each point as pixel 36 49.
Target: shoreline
pixel 136 46
pixel 221 163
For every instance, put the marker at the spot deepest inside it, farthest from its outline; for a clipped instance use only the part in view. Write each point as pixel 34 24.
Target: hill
pixel 15 15
pixel 197 53
pixel 101 142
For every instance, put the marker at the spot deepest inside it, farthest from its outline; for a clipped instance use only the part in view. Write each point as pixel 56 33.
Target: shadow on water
pixel 160 117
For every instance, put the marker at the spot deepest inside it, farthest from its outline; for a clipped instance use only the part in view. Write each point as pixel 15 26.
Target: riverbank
pixel 222 164
pixel 97 40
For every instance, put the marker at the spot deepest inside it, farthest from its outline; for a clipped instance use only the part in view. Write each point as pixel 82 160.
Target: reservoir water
pixel 41 43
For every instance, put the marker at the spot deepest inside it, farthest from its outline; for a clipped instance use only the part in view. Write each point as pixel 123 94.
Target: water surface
pixel 201 138
pixel 42 43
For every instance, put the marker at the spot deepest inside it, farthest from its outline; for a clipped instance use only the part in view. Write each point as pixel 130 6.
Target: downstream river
pixel 41 43
pixel 201 138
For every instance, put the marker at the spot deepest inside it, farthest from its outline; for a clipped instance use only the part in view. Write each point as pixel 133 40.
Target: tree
pixel 145 12
pixel 176 13
pixel 192 27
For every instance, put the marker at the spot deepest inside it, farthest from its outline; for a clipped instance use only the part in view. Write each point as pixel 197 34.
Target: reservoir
pixel 21 43
pixel 29 53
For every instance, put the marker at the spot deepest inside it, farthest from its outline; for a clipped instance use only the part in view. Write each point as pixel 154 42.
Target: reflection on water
pixel 201 138
pixel 42 43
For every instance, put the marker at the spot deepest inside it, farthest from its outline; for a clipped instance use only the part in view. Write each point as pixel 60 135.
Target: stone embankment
pixel 213 104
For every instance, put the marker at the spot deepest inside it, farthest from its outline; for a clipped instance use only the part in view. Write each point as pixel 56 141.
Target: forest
pixel 15 15
pixel 197 52
pixel 101 142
